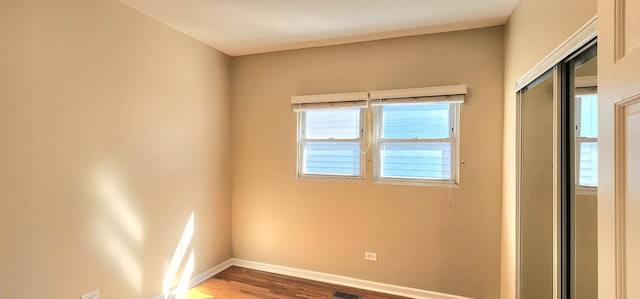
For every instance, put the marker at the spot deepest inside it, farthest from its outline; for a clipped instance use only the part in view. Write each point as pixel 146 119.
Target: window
pixel 330 131
pixel 416 143
pixel 587 139
pixel 415 136
pixel 330 142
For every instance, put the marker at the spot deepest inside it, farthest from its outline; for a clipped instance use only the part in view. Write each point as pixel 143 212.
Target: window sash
pixel 452 146
pixel 322 128
pixel 450 125
pixel 578 115
pixel 333 162
pixel 578 147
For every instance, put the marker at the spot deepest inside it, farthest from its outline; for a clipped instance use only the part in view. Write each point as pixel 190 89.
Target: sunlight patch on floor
pixel 195 294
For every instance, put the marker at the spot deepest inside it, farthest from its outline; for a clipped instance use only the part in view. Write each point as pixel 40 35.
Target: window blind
pixel 450 94
pixel 456 99
pixel 330 101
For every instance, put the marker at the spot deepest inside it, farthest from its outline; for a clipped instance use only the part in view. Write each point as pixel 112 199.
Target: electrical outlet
pixel 95 294
pixel 371 256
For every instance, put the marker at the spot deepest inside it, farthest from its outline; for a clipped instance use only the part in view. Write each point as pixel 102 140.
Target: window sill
pixel 329 178
pixel 583 190
pixel 417 182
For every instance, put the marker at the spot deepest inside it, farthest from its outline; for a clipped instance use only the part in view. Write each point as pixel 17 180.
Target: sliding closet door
pixel 558 181
pixel 583 196
pixel 537 203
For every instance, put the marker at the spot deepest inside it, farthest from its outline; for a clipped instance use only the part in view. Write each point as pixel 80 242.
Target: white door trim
pixel 584 35
pixel 620 195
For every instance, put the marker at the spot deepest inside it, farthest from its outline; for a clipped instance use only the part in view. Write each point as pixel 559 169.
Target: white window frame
pixel 302 141
pixel 303 103
pixel 453 139
pixel 454 95
pixel 582 189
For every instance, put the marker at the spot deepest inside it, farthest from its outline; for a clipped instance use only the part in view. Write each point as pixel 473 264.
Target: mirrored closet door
pixel 537 203
pixel 557 181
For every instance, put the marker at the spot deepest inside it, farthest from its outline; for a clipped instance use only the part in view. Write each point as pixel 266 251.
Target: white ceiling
pixel 241 27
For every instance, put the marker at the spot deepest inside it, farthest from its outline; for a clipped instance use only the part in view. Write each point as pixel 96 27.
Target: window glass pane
pixel 341 123
pixel 423 120
pixel 589 116
pixel 588 164
pixel 332 158
pixel 421 160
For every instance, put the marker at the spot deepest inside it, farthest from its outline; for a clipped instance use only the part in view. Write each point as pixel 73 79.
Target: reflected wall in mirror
pixel 536 204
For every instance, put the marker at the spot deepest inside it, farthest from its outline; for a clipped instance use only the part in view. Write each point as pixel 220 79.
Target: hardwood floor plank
pixel 237 282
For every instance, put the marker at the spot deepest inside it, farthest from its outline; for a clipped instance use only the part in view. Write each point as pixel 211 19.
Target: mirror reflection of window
pixel 587 137
pixel 585 199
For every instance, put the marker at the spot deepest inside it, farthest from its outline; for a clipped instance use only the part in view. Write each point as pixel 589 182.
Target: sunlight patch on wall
pixel 170 276
pixel 121 256
pixel 116 202
pixel 117 227
pixel 183 285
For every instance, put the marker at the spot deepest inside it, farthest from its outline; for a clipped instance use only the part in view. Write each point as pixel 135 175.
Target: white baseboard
pixel 200 278
pixel 323 277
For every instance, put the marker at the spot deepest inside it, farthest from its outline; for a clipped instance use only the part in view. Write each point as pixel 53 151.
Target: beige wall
pixel 535 28
pixel 114 129
pixel 440 239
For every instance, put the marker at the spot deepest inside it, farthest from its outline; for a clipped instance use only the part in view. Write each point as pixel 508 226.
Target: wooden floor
pixel 237 282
